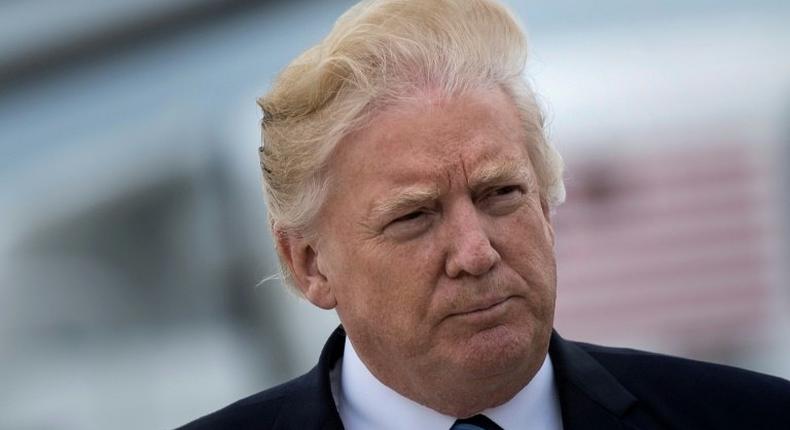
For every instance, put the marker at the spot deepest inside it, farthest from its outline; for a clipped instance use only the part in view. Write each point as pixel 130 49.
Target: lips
pixel 482 306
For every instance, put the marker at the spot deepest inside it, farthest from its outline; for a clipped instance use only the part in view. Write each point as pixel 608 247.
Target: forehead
pixel 427 138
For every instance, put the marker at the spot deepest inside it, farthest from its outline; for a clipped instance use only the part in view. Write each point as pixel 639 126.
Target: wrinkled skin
pixel 436 250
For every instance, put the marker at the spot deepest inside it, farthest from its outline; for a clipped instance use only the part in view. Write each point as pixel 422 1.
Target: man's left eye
pixel 506 190
pixel 505 193
pixel 503 200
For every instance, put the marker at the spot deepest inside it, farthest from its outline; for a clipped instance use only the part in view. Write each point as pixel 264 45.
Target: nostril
pixel 487 259
pixel 470 249
pixel 475 259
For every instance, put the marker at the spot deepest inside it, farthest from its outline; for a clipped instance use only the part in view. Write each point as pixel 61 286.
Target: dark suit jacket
pixel 599 388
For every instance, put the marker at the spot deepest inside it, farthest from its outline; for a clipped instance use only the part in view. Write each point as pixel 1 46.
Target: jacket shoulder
pixel 302 403
pixel 259 410
pixel 692 390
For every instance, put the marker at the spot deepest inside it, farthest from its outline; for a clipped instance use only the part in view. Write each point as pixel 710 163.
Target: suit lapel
pixel 310 405
pixel 590 396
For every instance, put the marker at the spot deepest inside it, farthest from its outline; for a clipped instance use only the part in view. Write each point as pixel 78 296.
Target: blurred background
pixel 133 235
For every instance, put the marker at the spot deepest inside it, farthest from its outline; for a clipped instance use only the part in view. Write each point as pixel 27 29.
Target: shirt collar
pixel 364 402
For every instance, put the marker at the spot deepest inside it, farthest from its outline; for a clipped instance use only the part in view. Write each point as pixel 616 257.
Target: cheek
pixel 526 237
pixel 526 246
pixel 385 303
pixel 395 282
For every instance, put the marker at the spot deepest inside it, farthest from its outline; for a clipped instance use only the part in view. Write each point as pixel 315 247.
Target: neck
pixel 463 397
pixel 455 393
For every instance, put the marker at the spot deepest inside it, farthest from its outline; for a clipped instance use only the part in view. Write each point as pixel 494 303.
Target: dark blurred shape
pixel 84 31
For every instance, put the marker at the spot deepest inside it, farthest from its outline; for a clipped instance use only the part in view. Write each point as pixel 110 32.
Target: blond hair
pixel 378 53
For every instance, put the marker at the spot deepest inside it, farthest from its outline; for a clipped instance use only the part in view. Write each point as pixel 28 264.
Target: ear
pixel 302 258
pixel 544 205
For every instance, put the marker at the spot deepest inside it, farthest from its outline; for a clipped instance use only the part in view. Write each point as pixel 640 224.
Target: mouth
pixel 484 307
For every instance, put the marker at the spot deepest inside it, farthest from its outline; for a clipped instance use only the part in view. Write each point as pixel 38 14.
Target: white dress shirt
pixel 364 403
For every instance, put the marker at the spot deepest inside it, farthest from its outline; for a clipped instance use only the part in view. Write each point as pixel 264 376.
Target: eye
pixel 409 217
pixel 503 200
pixel 410 225
pixel 503 193
pixel 506 190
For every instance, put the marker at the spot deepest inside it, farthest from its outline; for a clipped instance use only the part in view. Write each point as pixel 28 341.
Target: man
pixel 410 188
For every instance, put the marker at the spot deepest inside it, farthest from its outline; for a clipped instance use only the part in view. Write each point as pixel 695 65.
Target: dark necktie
pixel 477 422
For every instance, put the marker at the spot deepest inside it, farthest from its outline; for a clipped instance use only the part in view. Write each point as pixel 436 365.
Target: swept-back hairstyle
pixel 381 52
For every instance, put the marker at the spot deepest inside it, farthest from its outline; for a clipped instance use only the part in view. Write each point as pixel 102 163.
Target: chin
pixel 503 350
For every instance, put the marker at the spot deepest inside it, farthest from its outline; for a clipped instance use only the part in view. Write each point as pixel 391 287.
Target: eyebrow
pixel 409 197
pixel 416 196
pixel 496 173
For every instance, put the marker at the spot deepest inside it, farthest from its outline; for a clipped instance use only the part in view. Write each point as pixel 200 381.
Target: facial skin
pixel 436 251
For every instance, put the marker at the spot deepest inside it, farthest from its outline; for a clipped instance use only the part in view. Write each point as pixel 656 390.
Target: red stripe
pixel 653 306
pixel 697 310
pixel 668 271
pixel 616 214
pixel 699 331
pixel 587 249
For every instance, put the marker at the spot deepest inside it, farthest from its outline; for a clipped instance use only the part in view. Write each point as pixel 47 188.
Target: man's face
pixel 435 244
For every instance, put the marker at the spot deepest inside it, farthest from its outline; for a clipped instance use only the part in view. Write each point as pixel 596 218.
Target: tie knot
pixel 477 422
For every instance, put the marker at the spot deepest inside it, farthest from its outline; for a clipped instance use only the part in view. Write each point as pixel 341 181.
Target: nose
pixel 470 249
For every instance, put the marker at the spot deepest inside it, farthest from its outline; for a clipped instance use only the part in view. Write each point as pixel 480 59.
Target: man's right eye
pixel 409 225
